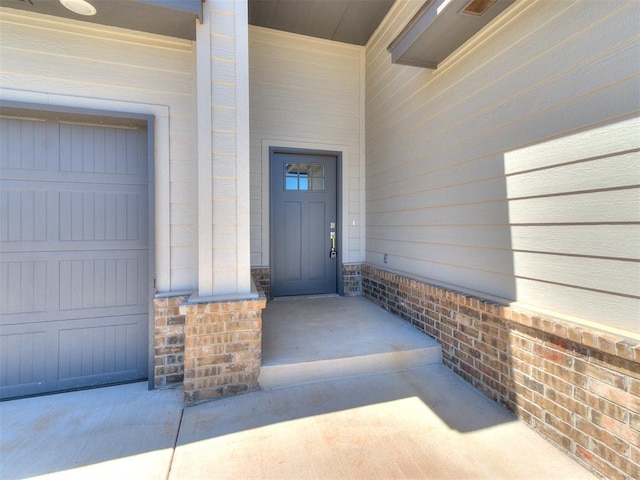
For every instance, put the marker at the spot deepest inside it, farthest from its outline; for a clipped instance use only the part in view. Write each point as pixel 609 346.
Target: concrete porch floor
pixel 307 339
pixel 419 422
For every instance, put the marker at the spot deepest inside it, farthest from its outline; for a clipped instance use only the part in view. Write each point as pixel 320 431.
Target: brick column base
pixel 222 354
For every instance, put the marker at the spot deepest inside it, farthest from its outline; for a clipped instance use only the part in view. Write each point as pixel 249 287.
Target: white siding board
pixel 604 207
pixel 580 272
pixel 613 311
pixel 616 241
pixel 614 172
pixel 522 132
pixel 491 123
pixel 488 259
pixel 598 207
pixel 591 144
pixel 272 93
pixel 125 47
pixel 37 64
pixel 513 168
pixel 499 286
pixel 482 236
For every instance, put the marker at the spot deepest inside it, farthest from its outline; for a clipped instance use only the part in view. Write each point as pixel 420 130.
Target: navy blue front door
pixel 303 224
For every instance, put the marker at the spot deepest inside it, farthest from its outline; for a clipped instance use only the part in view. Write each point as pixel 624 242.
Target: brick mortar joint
pixel 623 347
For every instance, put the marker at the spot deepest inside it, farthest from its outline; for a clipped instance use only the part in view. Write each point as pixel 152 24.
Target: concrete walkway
pixel 422 423
pixel 415 419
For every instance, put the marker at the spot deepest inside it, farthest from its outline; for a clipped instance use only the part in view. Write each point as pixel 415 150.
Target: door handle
pixel 332 252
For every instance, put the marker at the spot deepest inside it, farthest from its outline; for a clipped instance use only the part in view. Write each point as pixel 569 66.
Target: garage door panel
pixel 100 215
pixel 24 143
pixel 101 282
pixel 60 217
pixel 30 148
pixel 43 357
pixel 111 150
pixel 111 346
pixel 103 214
pixel 19 283
pixel 72 285
pixel 23 358
pixel 74 266
pixel 23 215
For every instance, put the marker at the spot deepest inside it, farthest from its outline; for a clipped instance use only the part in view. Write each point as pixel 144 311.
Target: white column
pixel 223 149
pixel 243 149
pixel 205 210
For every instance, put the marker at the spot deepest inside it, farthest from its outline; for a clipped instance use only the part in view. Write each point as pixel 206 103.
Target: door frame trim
pixel 11 107
pixel 273 150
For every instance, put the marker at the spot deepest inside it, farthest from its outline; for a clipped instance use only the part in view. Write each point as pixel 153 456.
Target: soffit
pixel 348 21
pixel 175 18
pixel 440 27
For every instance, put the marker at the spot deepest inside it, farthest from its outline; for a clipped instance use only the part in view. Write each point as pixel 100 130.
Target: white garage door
pixel 74 274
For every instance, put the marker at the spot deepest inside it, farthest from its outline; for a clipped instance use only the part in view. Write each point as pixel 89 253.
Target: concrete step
pixel 288 374
pixel 316 339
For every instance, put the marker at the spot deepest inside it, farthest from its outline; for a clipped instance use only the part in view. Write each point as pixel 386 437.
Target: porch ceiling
pixel 348 21
pixel 175 18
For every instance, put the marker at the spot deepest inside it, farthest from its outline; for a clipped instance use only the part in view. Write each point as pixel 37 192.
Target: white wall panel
pixel 513 169
pixel 305 93
pixel 51 60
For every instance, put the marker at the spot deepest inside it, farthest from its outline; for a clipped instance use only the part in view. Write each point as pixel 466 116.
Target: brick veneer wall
pixel 262 279
pixel 223 348
pixel 168 345
pixel 352 279
pixel 578 387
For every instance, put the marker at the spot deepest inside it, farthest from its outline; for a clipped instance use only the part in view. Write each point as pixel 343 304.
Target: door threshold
pixel 304 297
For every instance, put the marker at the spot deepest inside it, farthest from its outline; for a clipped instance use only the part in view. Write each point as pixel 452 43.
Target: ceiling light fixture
pixel 81 7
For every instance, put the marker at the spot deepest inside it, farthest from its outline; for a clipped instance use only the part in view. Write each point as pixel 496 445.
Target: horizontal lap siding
pixel 512 170
pixel 306 91
pixel 44 54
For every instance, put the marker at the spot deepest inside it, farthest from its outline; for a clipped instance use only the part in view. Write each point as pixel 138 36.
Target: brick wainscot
pixel 577 386
pixel 351 279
